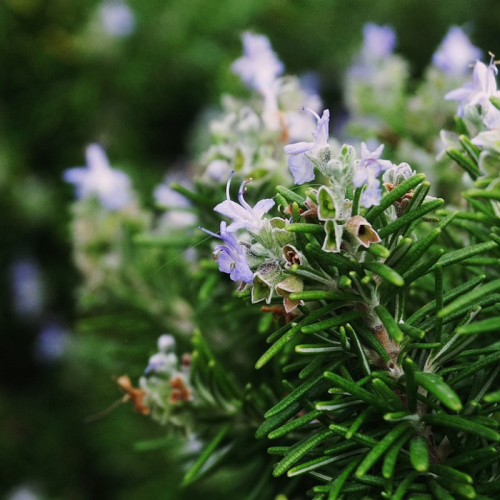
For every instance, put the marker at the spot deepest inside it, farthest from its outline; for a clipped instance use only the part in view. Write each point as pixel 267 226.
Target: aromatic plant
pixel 379 301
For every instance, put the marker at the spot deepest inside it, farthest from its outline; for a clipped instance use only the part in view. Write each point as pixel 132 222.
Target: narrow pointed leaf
pixel 391 456
pixel 380 449
pixel 464 253
pixel 439 388
pixel 342 319
pixel 295 330
pixel 390 324
pixel 461 424
pixel 409 217
pixel 485 326
pixel 386 272
pixel 300 451
pixel 391 197
pixel 325 295
pixel 355 390
pixel 209 450
pixel 291 196
pixel 473 296
pixel 419 454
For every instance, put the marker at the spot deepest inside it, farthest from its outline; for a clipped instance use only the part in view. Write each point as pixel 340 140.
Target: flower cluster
pixel 263 261
pixel 251 132
pixel 111 187
pixel 166 383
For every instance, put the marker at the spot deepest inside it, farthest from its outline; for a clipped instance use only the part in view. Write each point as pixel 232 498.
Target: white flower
pixel 367 172
pixel 301 166
pixel 259 67
pixel 110 186
pixel 478 93
pixel 243 215
pixel 455 53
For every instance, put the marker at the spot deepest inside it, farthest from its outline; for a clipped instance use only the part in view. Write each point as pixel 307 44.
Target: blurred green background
pixel 68 77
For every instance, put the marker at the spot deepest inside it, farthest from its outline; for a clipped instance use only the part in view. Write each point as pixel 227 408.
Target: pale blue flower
pixel 455 53
pixel 231 257
pixel 167 197
pixel 483 86
pixel 117 18
pixel 369 168
pixel 243 215
pixel 27 288
pixel 162 363
pixel 110 186
pixel 378 41
pixel 51 343
pixel 301 166
pixel 259 67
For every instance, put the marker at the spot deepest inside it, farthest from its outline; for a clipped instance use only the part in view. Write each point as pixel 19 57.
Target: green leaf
pixel 495 101
pixel 391 456
pixel 313 349
pixel 411 331
pixel 475 367
pixel 438 491
pixel 305 228
pixel 419 454
pixel 300 451
pixel 389 322
pixel 398 253
pixel 417 250
pixel 411 384
pixel 328 259
pixel 400 493
pixel 295 424
pixel 409 217
pixel 380 448
pixel 470 298
pixel 355 390
pixel 386 272
pixel 370 340
pixel 325 295
pixel 447 297
pixel 301 391
pixel 341 479
pixel 472 150
pixel 358 422
pixel 295 330
pixel 464 253
pixel 379 251
pixel 437 387
pixel 471 456
pixel 461 424
pixel 388 395
pixel 451 474
pixel 342 319
pixel 209 450
pixel 485 326
pixel 319 462
pixel 394 195
pixel 359 351
pixel 291 196
pixel 468 165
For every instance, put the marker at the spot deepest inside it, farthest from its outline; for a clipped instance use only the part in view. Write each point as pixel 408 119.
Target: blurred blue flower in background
pixel 117 18
pixel 51 342
pixel 27 288
pixel 110 186
pixel 259 67
pixel 378 41
pixel 455 53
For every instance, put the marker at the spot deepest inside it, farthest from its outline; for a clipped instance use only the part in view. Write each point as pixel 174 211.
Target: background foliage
pixel 65 83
